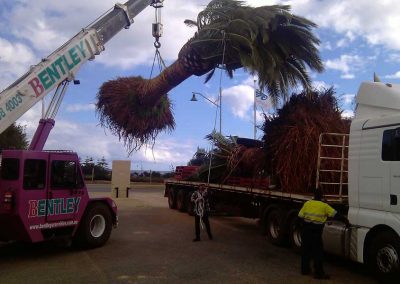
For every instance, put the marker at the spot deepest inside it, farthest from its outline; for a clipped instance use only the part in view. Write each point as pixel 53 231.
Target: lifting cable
pixel 157 31
pixel 219 104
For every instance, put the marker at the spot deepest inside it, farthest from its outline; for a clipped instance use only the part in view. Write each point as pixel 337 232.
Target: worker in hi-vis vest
pixel 314 214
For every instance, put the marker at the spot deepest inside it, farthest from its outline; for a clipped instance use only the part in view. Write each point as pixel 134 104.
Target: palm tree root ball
pixel 121 110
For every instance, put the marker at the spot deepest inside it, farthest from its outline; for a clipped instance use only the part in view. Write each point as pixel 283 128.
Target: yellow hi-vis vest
pixel 315 211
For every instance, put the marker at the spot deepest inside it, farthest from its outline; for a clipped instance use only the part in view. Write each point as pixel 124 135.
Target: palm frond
pixel 209 75
pixel 190 23
pixel 268 41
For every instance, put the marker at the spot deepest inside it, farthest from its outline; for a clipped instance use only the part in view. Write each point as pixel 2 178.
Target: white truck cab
pixel 374 179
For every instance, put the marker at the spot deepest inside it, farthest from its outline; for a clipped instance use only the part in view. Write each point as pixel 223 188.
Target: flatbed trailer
pixel 254 192
pixel 274 210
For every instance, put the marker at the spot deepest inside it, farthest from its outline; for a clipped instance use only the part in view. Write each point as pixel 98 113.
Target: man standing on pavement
pixel 314 214
pixel 201 210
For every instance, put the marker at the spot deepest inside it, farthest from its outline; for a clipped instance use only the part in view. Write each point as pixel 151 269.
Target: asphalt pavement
pixel 153 244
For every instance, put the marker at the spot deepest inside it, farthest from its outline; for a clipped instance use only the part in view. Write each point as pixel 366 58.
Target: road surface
pixel 153 244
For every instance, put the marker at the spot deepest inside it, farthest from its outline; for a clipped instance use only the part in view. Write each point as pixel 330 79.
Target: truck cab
pixel 43 196
pixel 374 176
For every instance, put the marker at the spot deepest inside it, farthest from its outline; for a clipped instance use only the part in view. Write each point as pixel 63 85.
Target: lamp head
pixel 193 99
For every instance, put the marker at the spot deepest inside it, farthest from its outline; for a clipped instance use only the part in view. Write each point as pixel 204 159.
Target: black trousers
pixel 206 223
pixel 312 248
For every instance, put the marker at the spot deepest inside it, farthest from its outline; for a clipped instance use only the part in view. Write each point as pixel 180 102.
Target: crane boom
pixel 63 64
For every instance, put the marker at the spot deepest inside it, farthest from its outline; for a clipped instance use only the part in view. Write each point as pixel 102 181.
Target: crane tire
pixel 95 227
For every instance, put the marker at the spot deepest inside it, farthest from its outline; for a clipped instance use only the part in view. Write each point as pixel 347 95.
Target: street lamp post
pixel 194 99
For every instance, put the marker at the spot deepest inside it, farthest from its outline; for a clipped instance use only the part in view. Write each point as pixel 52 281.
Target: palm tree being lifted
pixel 267 41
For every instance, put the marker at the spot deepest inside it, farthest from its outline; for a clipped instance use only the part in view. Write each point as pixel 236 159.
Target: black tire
pixel 95 227
pixel 295 234
pixel 383 256
pixel 275 227
pixel 189 204
pixel 181 200
pixel 263 222
pixel 171 199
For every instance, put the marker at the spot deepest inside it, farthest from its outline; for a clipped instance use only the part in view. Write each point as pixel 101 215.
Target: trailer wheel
pixel 171 199
pixel 295 234
pixel 95 227
pixel 181 200
pixel 384 256
pixel 276 228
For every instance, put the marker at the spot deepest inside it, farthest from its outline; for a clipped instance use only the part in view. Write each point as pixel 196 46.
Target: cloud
pixel 393 57
pixel 320 85
pixel 57 21
pixel 347 98
pixel 371 21
pixel 239 98
pixel 346 64
pixel 80 107
pixel 325 46
pixel 394 76
pixel 15 59
pixel 348 113
pixel 347 76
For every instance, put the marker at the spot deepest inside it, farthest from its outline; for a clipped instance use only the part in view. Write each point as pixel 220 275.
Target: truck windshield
pixel 9 169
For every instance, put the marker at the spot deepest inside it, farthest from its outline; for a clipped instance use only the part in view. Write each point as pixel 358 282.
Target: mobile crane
pixel 42 193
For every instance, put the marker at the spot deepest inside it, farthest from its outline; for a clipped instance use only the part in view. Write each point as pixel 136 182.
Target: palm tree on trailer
pixel 267 41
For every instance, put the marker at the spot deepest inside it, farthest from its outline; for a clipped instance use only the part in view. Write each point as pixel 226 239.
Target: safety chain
pixel 157 26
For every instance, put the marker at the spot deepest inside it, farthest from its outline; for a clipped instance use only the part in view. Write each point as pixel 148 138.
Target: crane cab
pixel 43 195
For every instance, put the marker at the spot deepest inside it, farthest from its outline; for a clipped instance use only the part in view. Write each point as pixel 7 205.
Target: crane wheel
pixel 95 227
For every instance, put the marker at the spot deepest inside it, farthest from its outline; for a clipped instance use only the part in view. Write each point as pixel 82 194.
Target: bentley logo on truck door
pixel 57 206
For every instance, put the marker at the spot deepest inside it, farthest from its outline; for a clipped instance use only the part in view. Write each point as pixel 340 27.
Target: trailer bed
pixel 270 193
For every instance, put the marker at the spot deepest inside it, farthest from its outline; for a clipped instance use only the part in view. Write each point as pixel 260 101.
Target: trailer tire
pixel 181 200
pixel 275 227
pixel 95 227
pixel 383 256
pixel 295 234
pixel 171 198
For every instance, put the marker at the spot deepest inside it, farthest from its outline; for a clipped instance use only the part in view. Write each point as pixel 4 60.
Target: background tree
pixel 199 158
pixel 101 170
pixel 87 167
pixel 14 137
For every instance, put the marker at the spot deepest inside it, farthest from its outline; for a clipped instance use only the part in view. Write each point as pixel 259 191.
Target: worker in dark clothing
pixel 201 210
pixel 314 214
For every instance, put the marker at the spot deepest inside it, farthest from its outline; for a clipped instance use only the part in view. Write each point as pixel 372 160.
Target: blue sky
pixel 357 37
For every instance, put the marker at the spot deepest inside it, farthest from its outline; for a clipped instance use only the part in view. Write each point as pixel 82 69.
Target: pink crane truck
pixel 42 193
pixel 44 196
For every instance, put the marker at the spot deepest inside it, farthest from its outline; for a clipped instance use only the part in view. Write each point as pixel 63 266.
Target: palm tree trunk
pixel 153 89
